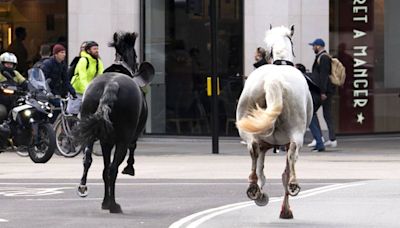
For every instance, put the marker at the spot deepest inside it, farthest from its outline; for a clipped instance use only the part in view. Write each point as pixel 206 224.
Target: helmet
pixel 8 58
pixel 90 44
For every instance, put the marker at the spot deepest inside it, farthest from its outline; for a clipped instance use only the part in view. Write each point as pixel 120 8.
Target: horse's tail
pixel 98 125
pixel 261 120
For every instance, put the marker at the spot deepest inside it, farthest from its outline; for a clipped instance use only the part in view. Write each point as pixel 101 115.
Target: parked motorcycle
pixel 29 122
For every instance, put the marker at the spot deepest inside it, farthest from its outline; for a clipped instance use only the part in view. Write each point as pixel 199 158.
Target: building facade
pixel 175 36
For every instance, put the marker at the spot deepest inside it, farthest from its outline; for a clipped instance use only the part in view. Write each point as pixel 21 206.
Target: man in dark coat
pixel 321 70
pixel 55 69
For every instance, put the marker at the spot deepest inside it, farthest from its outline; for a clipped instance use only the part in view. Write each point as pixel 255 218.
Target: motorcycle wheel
pixel 65 144
pixel 44 150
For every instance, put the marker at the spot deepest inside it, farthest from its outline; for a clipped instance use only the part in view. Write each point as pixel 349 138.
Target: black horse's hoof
pixel 262 200
pixel 129 170
pixel 82 191
pixel 105 205
pixel 115 208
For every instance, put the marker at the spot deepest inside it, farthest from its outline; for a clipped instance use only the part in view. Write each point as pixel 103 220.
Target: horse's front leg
pixel 263 198
pixel 87 162
pixel 129 169
pixel 119 156
pixel 253 191
pixel 286 213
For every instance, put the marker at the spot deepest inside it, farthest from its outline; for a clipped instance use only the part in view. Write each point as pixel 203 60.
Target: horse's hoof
pixel 82 191
pixel 293 189
pixel 286 214
pixel 262 200
pixel 129 170
pixel 116 208
pixel 253 191
pixel 105 205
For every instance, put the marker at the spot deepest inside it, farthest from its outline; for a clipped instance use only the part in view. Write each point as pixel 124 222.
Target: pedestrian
pixel 45 53
pixel 321 70
pixel 18 48
pixel 55 72
pixel 260 57
pixel 88 67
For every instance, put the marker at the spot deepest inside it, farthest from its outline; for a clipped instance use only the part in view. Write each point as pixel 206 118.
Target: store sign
pixel 356 40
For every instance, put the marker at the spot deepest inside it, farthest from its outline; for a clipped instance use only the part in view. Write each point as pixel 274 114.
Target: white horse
pixel 275 108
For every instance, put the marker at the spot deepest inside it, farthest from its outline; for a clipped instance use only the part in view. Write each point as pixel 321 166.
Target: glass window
pixel 365 38
pixel 178 44
pixel 37 22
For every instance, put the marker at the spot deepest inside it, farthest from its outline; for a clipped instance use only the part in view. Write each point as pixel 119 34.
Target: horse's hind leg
pixel 129 169
pixel 286 213
pixel 292 155
pixel 119 156
pixel 263 198
pixel 253 191
pixel 106 152
pixel 87 162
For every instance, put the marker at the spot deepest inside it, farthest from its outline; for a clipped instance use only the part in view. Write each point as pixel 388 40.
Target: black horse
pixel 114 111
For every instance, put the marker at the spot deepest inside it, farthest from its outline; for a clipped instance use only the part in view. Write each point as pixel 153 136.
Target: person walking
pixel 18 48
pixel 88 67
pixel 321 70
pixel 260 57
pixel 45 53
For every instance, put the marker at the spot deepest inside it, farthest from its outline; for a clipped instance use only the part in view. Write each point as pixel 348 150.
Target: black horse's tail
pixel 98 125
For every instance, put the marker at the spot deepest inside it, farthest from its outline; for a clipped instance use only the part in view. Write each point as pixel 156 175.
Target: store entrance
pixel 183 53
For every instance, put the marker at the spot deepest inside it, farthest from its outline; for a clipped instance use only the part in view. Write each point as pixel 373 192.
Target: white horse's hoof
pixel 293 189
pixel 253 191
pixel 82 191
pixel 262 200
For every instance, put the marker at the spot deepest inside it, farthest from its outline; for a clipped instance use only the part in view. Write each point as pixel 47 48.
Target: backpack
pixel 338 71
pixel 72 66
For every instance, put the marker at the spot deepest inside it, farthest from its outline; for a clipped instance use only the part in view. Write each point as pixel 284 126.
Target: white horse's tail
pixel 261 120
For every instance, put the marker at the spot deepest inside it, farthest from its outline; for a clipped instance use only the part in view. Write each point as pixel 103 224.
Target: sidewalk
pixel 356 157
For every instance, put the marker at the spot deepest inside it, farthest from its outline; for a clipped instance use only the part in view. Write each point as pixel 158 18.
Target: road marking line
pixel 66 199
pixel 149 184
pixel 3 220
pixel 213 212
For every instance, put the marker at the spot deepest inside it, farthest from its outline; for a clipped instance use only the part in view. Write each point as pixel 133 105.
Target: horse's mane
pixel 273 37
pixel 124 44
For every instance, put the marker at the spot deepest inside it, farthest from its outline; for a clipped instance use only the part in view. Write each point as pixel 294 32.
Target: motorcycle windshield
pixel 37 79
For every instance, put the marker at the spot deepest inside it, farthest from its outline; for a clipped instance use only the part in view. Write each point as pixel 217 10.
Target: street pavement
pixel 179 183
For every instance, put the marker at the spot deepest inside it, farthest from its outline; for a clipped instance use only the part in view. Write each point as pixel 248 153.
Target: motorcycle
pixel 29 123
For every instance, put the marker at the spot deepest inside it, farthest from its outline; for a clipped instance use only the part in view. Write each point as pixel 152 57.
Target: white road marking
pixel 24 191
pixel 154 183
pixel 195 219
pixel 3 220
pixel 67 199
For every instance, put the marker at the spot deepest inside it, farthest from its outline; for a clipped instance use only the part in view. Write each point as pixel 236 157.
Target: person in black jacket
pixel 55 71
pixel 45 53
pixel 260 57
pixel 321 70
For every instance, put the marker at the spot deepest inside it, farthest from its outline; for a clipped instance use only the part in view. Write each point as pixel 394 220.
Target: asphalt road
pixel 146 203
